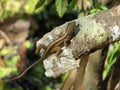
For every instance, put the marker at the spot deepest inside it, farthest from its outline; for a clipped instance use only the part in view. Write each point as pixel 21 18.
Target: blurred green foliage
pixel 2 84
pixel 30 6
pixel 5 71
pixel 61 7
pixel 97 7
pixel 111 58
pixel 95 10
pixel 10 60
pixel 28 44
pixel 12 7
pixel 36 77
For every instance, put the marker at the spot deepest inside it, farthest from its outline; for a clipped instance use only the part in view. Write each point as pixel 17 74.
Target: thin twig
pixel 5 37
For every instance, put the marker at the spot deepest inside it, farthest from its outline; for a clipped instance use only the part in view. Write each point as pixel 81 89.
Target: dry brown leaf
pixel 2 63
pixel 17 31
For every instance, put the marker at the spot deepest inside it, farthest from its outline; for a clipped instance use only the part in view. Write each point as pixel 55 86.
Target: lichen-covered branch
pixel 96 31
pixel 91 33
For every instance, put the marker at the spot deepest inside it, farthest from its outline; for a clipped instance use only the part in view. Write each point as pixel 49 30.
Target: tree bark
pixel 91 33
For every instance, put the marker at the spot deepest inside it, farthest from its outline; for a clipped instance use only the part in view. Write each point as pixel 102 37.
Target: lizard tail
pixel 27 69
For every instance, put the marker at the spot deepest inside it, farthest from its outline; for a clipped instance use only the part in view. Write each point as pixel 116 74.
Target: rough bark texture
pixel 93 74
pixel 91 33
pixel 96 31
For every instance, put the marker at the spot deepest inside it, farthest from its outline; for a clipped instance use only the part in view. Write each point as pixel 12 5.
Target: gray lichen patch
pixel 91 30
pixel 109 19
pixel 115 32
pixel 90 35
pixel 56 66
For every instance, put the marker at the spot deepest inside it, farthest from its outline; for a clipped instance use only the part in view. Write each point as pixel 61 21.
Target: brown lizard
pixel 53 47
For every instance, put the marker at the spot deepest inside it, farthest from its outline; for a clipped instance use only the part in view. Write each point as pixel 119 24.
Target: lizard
pixel 53 47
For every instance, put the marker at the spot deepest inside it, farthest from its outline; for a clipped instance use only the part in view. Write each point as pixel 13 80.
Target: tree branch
pixel 91 33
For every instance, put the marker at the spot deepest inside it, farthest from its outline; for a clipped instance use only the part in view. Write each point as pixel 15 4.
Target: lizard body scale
pixel 55 43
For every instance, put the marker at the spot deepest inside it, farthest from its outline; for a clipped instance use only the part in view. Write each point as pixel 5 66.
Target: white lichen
pixel 115 32
pixel 91 30
pixel 56 66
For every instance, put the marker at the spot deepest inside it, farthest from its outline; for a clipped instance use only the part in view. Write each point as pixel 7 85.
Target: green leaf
pixel 4 72
pixel 61 7
pixel 108 68
pixel 64 76
pixel 40 3
pixel 111 59
pixel 15 6
pixel 40 6
pixel 103 8
pixel 113 54
pixel 28 44
pixel 12 62
pixel 30 6
pixel 72 4
pixel 94 11
pixel 47 88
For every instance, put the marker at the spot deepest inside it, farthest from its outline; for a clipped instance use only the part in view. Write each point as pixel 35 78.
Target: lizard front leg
pixel 57 51
pixel 39 48
pixel 66 42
